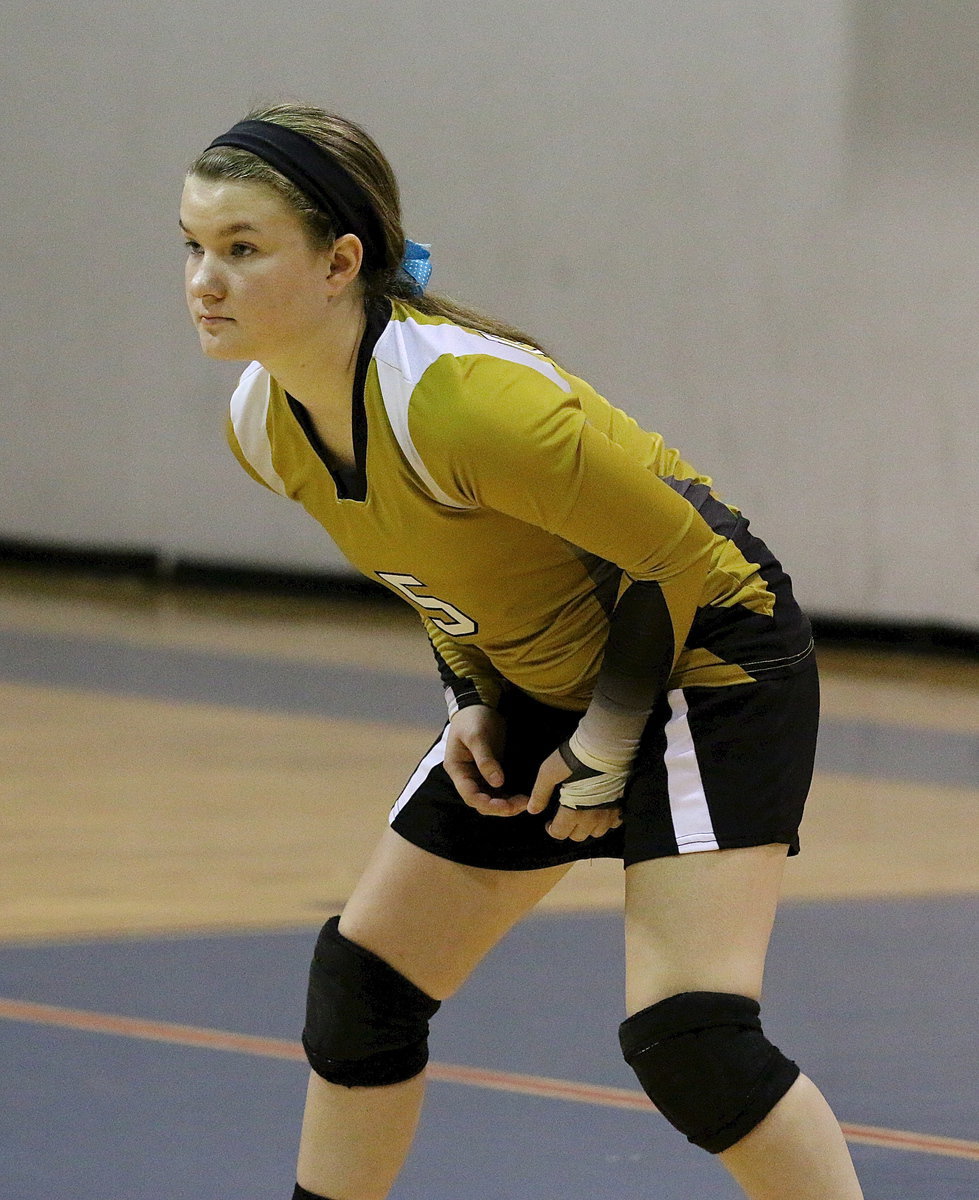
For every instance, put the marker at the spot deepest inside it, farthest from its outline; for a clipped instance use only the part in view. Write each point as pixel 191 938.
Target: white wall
pixel 755 225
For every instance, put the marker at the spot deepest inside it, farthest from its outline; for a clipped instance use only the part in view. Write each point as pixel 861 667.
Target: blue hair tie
pixel 416 267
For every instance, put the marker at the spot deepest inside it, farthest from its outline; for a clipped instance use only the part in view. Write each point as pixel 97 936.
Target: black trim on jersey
pixel 446 674
pixel 731 524
pixel 463 695
pixel 350 482
pixel 458 685
pixel 463 691
pixel 761 645
pixel 719 517
pixel 605 575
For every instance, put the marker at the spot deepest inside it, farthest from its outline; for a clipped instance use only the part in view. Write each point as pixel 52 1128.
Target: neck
pixel 320 373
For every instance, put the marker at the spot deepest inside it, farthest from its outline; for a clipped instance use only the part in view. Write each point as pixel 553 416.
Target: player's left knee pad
pixel 366 1024
pixel 703 1060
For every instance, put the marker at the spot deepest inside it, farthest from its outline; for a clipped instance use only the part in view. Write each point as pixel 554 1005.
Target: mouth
pixel 208 321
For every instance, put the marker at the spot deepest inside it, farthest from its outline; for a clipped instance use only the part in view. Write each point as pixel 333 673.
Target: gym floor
pixel 190 784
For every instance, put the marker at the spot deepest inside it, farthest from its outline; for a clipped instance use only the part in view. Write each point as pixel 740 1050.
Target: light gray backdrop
pixel 755 225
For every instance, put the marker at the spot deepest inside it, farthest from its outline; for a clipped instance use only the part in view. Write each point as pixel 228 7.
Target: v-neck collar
pixel 350 482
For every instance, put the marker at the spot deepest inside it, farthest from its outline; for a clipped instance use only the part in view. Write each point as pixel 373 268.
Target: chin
pixel 219 348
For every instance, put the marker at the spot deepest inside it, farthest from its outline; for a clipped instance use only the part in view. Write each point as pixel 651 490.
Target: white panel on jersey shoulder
pixel 405 351
pixel 249 416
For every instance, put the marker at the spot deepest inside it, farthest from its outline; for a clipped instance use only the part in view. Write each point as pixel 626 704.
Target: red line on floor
pixel 507 1081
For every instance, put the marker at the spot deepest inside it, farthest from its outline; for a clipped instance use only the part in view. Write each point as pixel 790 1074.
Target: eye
pixel 192 247
pixel 241 250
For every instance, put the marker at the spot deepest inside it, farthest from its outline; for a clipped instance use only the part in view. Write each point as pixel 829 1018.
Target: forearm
pixel 639 658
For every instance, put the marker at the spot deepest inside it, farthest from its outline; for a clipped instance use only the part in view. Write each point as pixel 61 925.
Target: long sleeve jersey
pixel 512 506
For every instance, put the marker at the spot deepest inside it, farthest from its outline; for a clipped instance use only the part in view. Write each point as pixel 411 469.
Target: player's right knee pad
pixel 703 1060
pixel 366 1024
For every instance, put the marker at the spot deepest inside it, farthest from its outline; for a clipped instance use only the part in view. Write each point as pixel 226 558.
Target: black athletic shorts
pixel 717 768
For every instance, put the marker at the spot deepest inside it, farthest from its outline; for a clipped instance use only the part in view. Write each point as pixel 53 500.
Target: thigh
pixel 700 922
pixel 433 919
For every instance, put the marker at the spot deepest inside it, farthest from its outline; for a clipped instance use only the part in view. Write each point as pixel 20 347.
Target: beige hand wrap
pixel 597 779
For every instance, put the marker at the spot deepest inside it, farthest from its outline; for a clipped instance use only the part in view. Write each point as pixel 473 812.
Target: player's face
pixel 255 287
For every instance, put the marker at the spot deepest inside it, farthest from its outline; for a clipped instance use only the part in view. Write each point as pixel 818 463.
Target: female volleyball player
pixel 626 671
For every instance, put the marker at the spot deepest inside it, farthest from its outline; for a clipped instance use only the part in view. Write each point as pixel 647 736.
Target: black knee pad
pixel 703 1060
pixel 366 1024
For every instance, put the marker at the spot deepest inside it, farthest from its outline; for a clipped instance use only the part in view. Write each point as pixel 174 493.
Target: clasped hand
pixel 472 761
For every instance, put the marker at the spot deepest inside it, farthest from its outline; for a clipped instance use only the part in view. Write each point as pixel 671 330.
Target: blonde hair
pixel 359 155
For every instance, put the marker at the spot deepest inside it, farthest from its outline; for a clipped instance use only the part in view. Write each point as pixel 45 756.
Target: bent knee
pixel 366 1024
pixel 704 1061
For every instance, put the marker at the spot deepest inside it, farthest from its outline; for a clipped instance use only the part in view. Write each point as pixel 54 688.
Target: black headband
pixel 318 176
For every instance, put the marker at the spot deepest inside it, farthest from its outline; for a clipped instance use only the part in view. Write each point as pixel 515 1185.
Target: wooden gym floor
pixel 190 783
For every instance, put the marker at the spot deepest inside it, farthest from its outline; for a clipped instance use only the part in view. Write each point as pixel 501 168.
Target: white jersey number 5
pixel 453 621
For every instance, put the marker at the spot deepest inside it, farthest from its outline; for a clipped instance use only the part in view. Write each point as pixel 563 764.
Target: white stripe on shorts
pixel 688 801
pixel 420 774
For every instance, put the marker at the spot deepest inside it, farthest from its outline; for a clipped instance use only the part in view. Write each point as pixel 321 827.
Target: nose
pixel 204 279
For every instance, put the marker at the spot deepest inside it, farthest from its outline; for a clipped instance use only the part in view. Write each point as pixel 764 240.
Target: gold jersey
pixel 510 505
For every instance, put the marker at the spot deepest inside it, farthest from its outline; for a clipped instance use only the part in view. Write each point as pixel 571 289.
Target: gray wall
pixel 755 225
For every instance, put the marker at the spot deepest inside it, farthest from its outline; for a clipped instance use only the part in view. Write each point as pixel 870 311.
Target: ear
pixel 346 257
